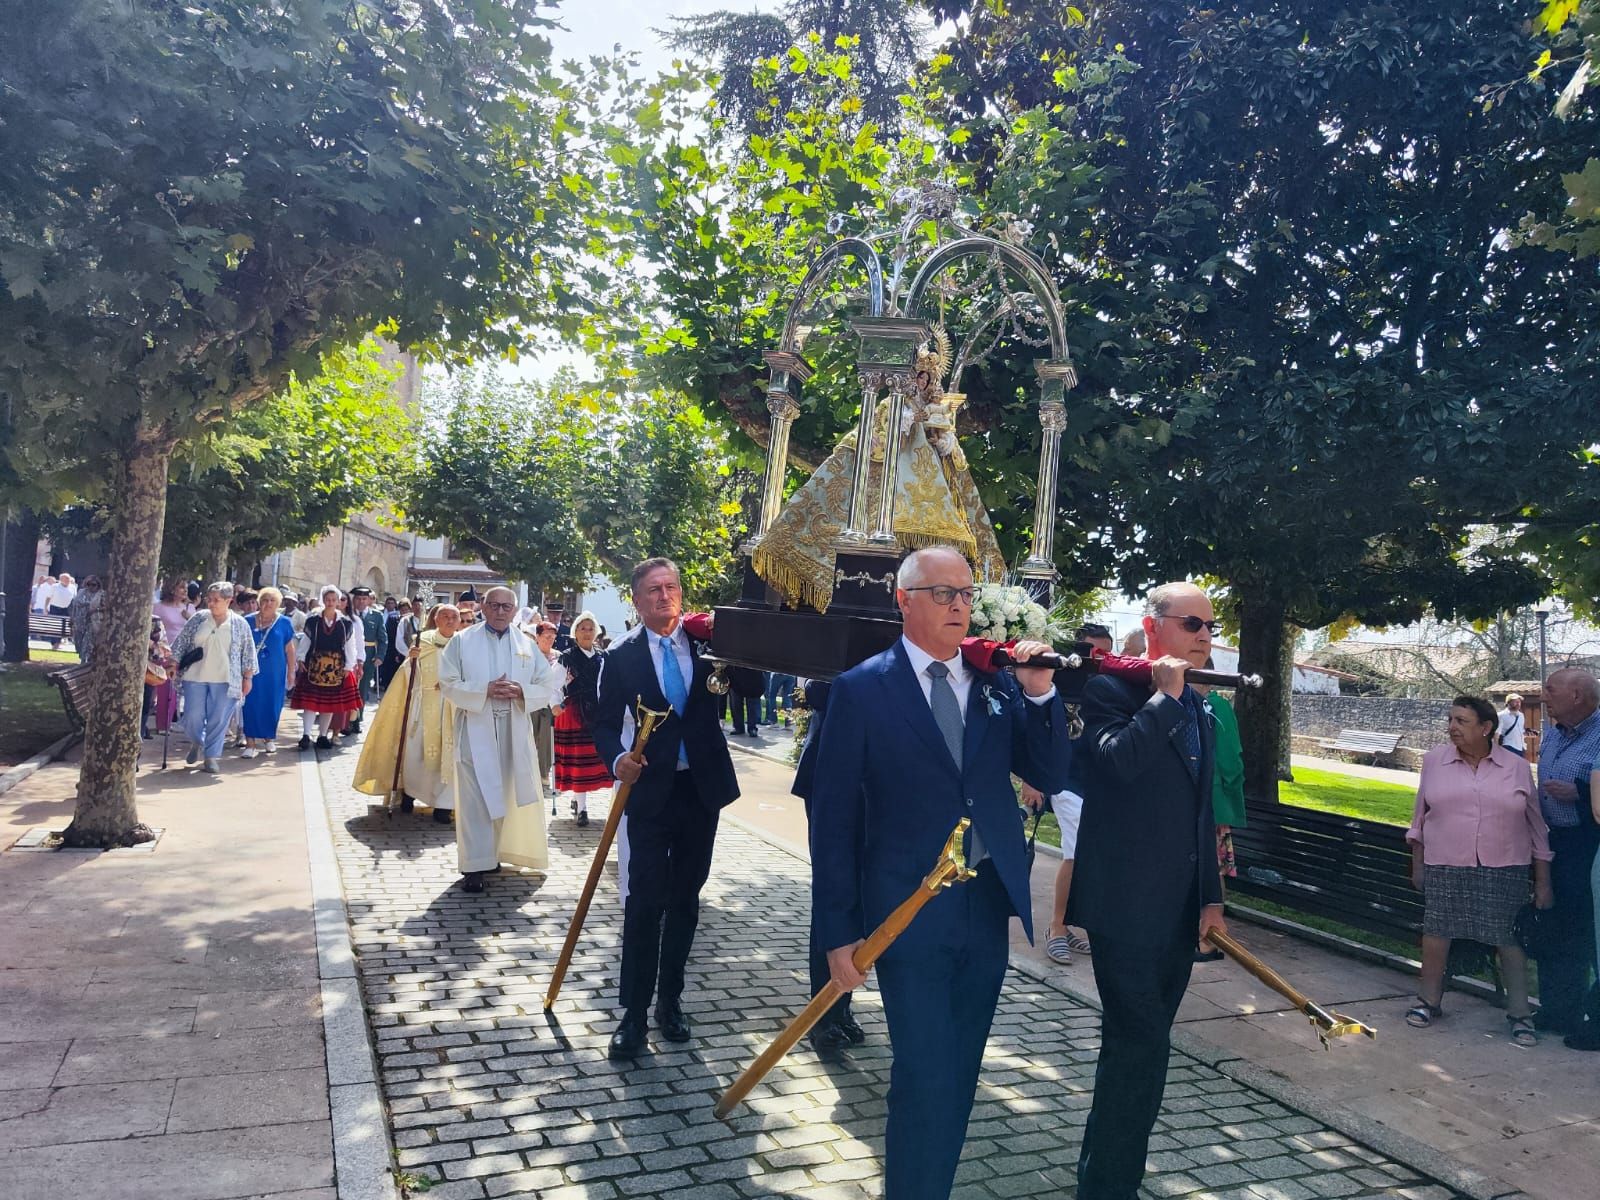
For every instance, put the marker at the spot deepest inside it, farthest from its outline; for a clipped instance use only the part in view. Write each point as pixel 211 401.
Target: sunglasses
pixel 1195 624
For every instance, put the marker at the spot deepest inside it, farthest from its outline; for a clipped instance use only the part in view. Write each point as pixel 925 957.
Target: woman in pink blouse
pixel 1476 829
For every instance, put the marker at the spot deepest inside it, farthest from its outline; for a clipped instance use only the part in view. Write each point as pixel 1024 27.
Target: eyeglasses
pixel 1194 624
pixel 500 606
pixel 945 594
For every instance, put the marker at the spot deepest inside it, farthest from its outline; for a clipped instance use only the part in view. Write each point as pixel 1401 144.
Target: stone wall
pixel 1421 723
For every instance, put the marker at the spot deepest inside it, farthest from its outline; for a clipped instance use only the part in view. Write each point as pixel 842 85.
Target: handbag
pixel 191 656
pixel 154 676
pixel 1537 931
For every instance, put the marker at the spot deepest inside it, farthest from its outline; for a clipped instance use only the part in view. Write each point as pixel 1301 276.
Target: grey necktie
pixel 946 710
pixel 947 716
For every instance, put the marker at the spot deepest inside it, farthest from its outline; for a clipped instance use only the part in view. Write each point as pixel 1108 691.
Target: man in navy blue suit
pixel 1146 876
pixel 680 787
pixel 913 741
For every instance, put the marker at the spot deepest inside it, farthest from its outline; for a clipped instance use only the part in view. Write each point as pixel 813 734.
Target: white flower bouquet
pixel 1003 613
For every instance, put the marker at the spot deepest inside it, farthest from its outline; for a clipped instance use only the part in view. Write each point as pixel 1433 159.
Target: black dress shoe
pixel 324 743
pixel 851 1028
pixel 583 819
pixel 407 803
pixel 830 1041
pixel 305 742
pixel 628 1041
pixel 670 1020
pixel 472 881
pixel 442 816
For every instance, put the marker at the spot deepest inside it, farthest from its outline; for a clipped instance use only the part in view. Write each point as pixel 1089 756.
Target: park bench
pixel 74 685
pixel 1342 868
pixel 45 628
pixel 1362 741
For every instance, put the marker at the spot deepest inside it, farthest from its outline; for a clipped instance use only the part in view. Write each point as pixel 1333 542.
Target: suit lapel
pixel 906 691
pixel 977 717
pixel 649 687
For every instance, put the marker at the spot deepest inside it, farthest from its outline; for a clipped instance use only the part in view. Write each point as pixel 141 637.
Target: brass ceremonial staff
pixel 646 721
pixel 951 868
pixel 1325 1021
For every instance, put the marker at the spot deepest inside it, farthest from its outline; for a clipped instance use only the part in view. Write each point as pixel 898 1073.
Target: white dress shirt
pixel 960 677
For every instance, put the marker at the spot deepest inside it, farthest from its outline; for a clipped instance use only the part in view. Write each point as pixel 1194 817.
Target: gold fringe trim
pixel 793 575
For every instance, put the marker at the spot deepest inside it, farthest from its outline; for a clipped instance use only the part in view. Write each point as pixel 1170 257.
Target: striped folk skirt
pixel 578 765
pixel 1475 903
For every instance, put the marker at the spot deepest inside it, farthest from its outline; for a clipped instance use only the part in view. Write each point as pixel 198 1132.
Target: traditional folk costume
pixel 578 766
pixel 499 817
pixel 429 731
pixel 325 685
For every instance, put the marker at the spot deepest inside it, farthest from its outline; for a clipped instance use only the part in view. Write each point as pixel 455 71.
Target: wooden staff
pixel 396 793
pixel 646 721
pixel 951 868
pixel 1325 1021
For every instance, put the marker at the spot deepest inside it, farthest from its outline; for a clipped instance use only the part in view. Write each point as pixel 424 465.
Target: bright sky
pixel 596 26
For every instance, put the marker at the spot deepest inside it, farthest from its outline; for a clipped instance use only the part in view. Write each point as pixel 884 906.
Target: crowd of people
pixel 487 707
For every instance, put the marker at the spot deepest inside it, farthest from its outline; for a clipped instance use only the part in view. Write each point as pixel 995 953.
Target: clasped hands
pixel 505 689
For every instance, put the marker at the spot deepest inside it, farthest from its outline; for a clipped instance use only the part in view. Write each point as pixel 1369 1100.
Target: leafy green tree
pixel 286 471
pixel 198 200
pixel 890 34
pixel 1312 357
pixel 1574 28
pixel 548 483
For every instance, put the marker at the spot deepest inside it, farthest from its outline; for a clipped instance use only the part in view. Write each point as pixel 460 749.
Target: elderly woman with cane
pixel 1476 829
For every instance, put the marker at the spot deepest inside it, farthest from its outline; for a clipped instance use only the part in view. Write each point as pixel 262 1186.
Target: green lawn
pixel 1329 791
pixel 1349 796
pixel 31 716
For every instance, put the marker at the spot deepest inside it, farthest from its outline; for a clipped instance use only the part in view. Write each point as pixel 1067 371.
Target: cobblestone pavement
pixel 491 1099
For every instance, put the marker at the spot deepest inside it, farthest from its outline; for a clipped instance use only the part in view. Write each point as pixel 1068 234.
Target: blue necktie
pixel 676 691
pixel 1191 731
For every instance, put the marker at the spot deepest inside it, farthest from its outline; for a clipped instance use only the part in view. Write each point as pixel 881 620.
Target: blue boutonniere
pixel 991 700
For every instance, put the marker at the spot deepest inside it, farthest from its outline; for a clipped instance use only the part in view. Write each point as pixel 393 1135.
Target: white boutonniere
pixel 991 701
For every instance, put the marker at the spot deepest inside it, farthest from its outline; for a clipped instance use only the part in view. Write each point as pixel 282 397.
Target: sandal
pixel 1423 1014
pixel 1059 950
pixel 1522 1031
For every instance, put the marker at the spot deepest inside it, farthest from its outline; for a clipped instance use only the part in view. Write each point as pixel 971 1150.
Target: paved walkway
pixel 491 1099
pixel 160 1026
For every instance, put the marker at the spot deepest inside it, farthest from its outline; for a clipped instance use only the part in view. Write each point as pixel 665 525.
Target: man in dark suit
pixel 1146 876
pixel 838 1029
pixel 914 740
pixel 670 824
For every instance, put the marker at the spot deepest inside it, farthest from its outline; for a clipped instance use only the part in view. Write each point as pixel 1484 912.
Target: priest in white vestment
pixel 494 676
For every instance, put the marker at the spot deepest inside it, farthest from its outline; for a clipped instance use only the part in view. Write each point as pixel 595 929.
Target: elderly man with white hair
pixel 1568 754
pixel 494 676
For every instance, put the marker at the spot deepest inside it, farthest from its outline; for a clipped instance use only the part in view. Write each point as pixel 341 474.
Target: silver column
pixel 1054 378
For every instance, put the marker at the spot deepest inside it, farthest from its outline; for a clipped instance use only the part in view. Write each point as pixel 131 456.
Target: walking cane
pixel 646 721
pixel 397 795
pixel 951 868
pixel 1325 1021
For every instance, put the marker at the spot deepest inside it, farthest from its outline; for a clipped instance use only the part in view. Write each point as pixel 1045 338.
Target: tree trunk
pixel 16 580
pixel 106 815
pixel 1266 648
